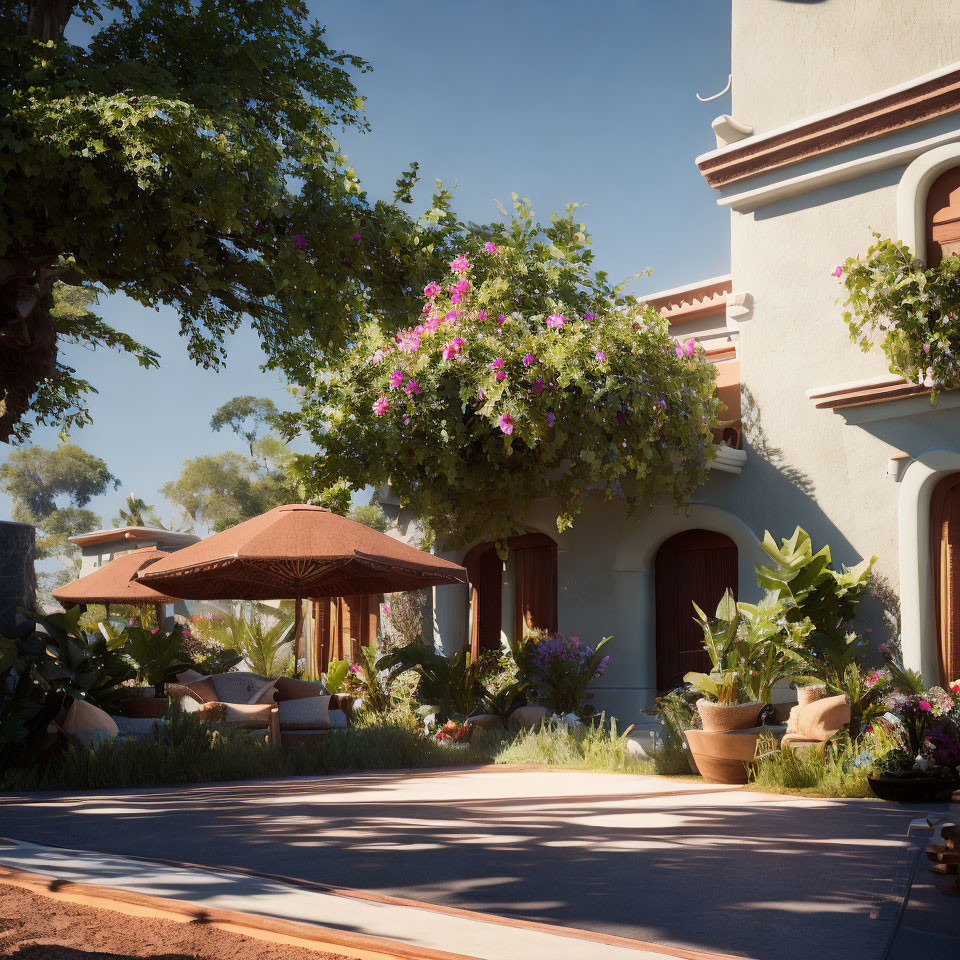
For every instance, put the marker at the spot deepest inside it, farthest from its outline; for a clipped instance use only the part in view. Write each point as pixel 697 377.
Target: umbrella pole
pixel 297 624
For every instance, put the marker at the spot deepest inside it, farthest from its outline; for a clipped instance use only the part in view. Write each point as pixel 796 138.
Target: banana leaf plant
pixel 335 676
pixel 157 654
pixel 366 682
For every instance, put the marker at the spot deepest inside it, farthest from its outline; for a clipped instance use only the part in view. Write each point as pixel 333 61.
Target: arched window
pixel 534 568
pixel 945 542
pixel 943 217
pixel 696 566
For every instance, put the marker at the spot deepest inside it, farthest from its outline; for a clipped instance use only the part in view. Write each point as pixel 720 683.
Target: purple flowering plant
pixel 559 668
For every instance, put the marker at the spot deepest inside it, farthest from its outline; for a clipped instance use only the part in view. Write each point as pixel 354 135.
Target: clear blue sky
pixel 556 100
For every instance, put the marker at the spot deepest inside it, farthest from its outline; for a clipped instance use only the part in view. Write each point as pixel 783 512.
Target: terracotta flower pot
pixel 144 707
pixel 722 757
pixel 724 717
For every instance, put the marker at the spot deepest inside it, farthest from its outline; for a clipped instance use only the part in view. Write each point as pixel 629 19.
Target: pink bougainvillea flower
pixel 409 341
pixel 500 375
pixel 601 356
pixel 838 272
pixel 432 324
pixel 453 348
pixel 386 609
pixel 356 238
pixel 505 423
pixel 451 315
pixel 481 393
pixel 925 706
pixel 380 406
pixel 461 286
pixel 678 349
pixel 490 247
pixel 431 289
pixel 396 378
pixel 456 298
pixel 556 321
pixel 497 364
pixel 538 384
pixel 481 314
pixel 529 359
pixel 551 418
pixel 379 354
pixel 501 318
pixel 412 388
pixel 690 347
pixel 460 265
pixel 300 240
pixel 589 316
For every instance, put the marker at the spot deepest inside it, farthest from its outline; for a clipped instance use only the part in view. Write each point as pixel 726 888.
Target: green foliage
pixel 156 654
pixel 819 600
pixel 366 682
pixel 592 747
pixel 557 670
pixel 447 686
pixel 246 416
pixel 913 307
pixel 184 155
pixel 135 512
pixel 43 670
pixel 371 515
pixel 471 419
pixel 336 675
pixel 677 712
pixel 260 635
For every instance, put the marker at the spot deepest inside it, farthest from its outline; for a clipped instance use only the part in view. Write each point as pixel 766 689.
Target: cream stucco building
pixel 844 114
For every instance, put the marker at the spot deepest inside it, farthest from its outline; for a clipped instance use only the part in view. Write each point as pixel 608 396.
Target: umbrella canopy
pixel 297 551
pixel 115 583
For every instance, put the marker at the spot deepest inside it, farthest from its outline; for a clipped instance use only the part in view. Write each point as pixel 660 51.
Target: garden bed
pixel 39 927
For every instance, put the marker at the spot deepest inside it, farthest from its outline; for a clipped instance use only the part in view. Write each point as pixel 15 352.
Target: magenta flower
pixel 386 609
pixel 396 379
pixel 356 238
pixel 678 349
pixel 500 375
pixel 497 364
pixel 461 286
pixel 501 318
pixel 538 384
pixel 431 289
pixel 380 406
pixel 460 265
pixel 453 348
pixel 379 354
pixel 529 359
pixel 481 393
pixel 412 388
pixel 354 668
pixel 505 423
pixel 410 341
pixel 925 706
pixel 589 316
pixel 481 314
pixel 838 272
pixel 300 240
pixel 451 315
pixel 690 347
pixel 490 247
pixel 601 356
pixel 456 298
pixel 551 418
pixel 556 321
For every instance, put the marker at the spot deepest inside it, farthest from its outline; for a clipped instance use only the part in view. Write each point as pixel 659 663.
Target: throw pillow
pixel 821 719
pixel 290 689
pixel 237 687
pixel 204 689
pixel 264 693
pixel 83 715
pixel 305 713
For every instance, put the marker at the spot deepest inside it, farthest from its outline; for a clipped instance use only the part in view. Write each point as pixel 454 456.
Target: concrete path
pixel 678 863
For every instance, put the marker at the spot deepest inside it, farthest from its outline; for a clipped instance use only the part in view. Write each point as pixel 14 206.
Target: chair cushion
pixel 305 713
pixel 237 687
pixel 141 729
pixel 252 716
pixel 821 719
pixel 203 689
pixel 265 693
pixel 84 716
pixel 189 675
pixel 290 689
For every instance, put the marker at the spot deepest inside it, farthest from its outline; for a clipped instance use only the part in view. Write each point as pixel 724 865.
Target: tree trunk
pixel 28 341
pixel 47 19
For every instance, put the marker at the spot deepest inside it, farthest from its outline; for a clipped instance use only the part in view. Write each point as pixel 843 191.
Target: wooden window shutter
pixel 945 543
pixel 485 573
pixel 535 583
pixel 943 217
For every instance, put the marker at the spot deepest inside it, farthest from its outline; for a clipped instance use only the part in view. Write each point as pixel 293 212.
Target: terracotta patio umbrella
pixel 115 583
pixel 297 551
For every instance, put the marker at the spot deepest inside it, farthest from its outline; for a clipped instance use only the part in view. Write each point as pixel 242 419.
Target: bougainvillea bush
pixel 526 375
pixel 913 310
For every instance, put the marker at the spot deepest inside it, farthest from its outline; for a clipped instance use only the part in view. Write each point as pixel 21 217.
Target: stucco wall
pixel 791 59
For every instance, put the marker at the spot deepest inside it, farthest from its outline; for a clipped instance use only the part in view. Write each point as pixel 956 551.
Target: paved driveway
pixel 678 863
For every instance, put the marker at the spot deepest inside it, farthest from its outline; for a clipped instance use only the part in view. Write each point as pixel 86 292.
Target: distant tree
pixel 185 155
pixel 50 489
pixel 371 515
pixel 136 513
pixel 247 417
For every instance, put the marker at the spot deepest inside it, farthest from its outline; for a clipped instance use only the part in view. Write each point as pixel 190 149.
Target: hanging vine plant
pixel 912 310
pixel 526 376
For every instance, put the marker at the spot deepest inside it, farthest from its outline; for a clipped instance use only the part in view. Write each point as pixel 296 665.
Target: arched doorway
pixel 695 566
pixel 945 547
pixel 534 557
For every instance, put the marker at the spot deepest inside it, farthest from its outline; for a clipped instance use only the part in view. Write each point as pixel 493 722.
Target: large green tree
pixel 184 155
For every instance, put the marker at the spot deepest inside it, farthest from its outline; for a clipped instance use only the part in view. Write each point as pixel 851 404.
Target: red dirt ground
pixel 36 927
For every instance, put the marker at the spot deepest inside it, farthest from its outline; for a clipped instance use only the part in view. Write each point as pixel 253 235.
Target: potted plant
pixel 157 656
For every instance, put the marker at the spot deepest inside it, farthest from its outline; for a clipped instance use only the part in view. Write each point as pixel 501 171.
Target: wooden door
pixel 484 571
pixel 695 566
pixel 945 541
pixel 943 217
pixel 535 583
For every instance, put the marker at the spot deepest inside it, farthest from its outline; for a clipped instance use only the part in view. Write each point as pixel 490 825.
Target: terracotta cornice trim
pixel 879 390
pixel 693 302
pixel 897 109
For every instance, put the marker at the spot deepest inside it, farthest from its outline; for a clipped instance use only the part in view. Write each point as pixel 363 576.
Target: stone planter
pixel 144 708
pixel 485 721
pixel 724 717
pixel 723 757
pixel 531 717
